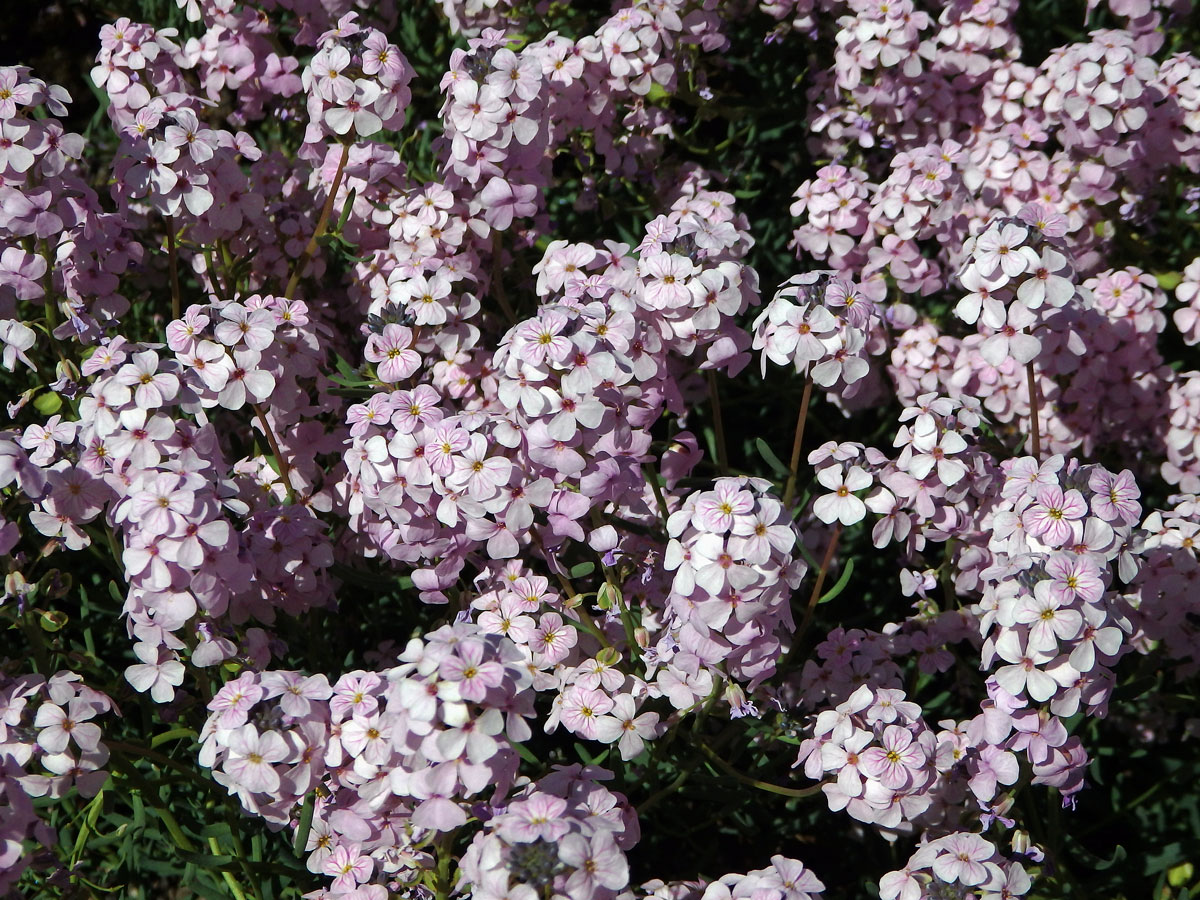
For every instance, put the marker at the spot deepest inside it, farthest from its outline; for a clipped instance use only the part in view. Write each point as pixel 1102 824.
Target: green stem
pixel 718 423
pixel 41 655
pixel 310 248
pixel 173 269
pixel 304 827
pixel 497 282
pixel 688 768
pixel 213 277
pixel 1034 427
pixel 721 764
pixel 652 477
pixel 811 609
pixel 285 470
pixel 797 442
pixel 442 890
pixel 234 887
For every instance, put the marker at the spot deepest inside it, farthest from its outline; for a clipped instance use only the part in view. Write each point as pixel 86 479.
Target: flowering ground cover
pixel 648 450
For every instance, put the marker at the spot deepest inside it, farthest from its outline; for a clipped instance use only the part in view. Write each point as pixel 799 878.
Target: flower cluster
pixel 50 745
pixel 356 84
pixel 731 553
pixel 565 834
pixel 822 325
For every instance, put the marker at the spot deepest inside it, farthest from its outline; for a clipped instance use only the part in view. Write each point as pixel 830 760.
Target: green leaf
pixel 583 569
pixel 206 860
pixel 1119 855
pixel 841 583
pixel 216 830
pixel 1168 281
pixel 1136 688
pixel 300 845
pixel 525 753
pixel 173 735
pixel 168 819
pixel 347 208
pixel 765 451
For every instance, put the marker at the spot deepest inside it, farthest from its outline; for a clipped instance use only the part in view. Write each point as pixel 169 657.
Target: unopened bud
pixel 608 657
pixel 608 597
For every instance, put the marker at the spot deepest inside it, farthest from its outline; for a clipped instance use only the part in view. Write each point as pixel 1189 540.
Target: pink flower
pixel 161 504
pixel 1073 576
pixel 1046 284
pixel 1023 675
pixel 540 817
pixel 553 639
pixel 353 695
pixel 1051 515
pixel 502 201
pixel 960 858
pixel 597 863
pixel 250 759
pixel 841 505
pixel 391 350
pixel 582 708
pixel 722 508
pixel 369 737
pixel 895 763
pixel 356 112
pixel 58 726
pixel 543 339
pixel 506 619
pixel 160 678
pixel 480 475
pixel 1115 496
pixel 1001 248
pixel 234 700
pixel 1048 621
pixel 151 388
pixel 628 730
pixel 295 691
pixel 255 329
pixel 349 865
pixel 474 676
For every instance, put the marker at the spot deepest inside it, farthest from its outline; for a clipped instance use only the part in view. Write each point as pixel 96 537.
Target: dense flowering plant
pixel 668 449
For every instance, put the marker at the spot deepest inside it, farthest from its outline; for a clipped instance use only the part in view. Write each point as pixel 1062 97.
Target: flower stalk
pixel 789 492
pixel 310 248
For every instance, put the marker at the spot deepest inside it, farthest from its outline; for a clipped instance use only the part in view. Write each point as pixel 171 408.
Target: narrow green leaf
pixel 1118 856
pixel 300 844
pixel 525 753
pixel 772 460
pixel 173 735
pixel 347 208
pixel 206 860
pixel 841 583
pixel 181 840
